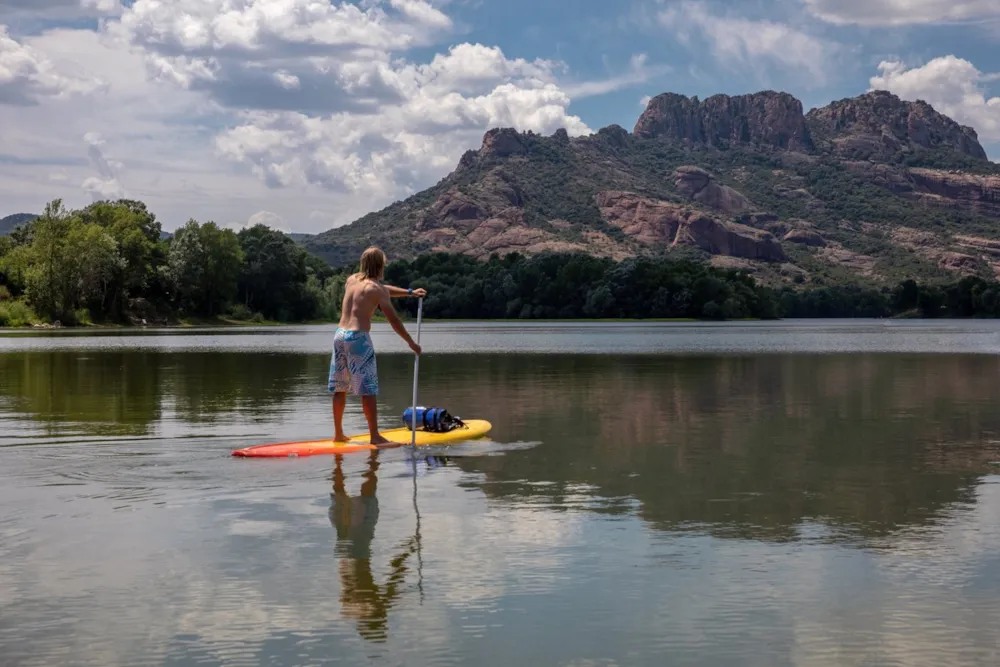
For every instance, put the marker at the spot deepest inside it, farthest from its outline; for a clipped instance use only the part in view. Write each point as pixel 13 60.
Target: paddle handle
pixel 416 370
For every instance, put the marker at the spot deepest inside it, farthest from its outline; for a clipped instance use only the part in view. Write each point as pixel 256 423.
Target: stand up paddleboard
pixel 471 429
pixel 432 426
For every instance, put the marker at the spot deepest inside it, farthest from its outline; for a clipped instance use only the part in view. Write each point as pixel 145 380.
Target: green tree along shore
pixel 107 263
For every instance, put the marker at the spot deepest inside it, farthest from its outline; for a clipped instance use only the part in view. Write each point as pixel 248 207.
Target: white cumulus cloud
pixel 323 97
pixel 27 75
pixel 399 150
pixel 258 28
pixel 953 86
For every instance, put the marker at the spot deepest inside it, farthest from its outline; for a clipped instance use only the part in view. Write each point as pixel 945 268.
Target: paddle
pixel 413 454
pixel 416 369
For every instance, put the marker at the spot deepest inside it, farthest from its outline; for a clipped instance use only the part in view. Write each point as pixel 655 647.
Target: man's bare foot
pixel 379 440
pixel 341 438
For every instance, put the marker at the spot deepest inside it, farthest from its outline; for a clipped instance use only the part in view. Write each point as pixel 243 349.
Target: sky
pixel 307 114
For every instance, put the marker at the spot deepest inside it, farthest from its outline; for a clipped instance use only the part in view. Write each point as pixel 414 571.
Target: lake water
pixel 760 494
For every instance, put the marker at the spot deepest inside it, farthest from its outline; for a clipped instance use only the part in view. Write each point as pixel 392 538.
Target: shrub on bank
pixel 16 314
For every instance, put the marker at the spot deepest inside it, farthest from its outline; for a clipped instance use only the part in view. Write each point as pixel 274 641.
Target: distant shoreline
pixel 201 323
pixel 194 324
pixel 228 322
pixel 410 323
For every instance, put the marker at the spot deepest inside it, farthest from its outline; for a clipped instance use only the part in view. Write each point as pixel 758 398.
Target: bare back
pixel 361 297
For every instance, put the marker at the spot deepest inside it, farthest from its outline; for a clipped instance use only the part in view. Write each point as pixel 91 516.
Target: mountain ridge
pixel 870 188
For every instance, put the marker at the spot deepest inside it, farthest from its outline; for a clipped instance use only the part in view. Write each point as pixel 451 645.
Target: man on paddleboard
pixel 353 368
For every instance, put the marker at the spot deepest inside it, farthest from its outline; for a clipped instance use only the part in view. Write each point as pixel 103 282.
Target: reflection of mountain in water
pixel 742 446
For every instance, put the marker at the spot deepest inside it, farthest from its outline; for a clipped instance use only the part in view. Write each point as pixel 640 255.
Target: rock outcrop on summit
pixel 871 188
pixel 879 125
pixel 767 119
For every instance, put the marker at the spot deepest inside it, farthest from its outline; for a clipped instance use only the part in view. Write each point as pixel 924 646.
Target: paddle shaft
pixel 416 369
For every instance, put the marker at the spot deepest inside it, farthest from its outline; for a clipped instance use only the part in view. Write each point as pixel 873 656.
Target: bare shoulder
pixel 370 289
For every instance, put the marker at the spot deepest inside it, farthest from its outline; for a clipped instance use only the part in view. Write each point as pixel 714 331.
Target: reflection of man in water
pixel 354 519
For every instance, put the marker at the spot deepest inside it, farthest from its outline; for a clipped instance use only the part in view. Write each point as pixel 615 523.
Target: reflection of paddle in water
pixel 354 519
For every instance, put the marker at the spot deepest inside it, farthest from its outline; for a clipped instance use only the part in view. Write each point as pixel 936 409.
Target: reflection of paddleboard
pixel 473 428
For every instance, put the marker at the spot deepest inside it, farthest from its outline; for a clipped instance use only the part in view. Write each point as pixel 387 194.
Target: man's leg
pixel 369 403
pixel 339 402
pixel 339 383
pixel 364 375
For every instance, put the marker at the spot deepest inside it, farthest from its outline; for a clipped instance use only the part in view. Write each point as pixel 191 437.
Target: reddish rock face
pixel 455 209
pixel 959 262
pixel 879 125
pixel 502 142
pixel 979 194
pixel 647 221
pixel 949 189
pixel 502 234
pixel 761 119
pixel 882 175
pixel 698 185
pixel 733 240
pixel 662 223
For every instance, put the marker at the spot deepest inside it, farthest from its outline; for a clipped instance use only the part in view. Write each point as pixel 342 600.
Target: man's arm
pixel 385 304
pixel 399 292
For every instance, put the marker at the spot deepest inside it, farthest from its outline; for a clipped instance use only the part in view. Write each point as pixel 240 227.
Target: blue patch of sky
pixel 7 158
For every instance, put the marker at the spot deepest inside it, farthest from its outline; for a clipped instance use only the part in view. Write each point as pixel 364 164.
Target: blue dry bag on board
pixel 435 420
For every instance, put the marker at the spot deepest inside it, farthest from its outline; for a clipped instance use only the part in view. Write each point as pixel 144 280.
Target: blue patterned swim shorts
pixel 352 367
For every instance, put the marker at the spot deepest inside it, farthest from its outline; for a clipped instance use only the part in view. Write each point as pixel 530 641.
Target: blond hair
pixel 372 264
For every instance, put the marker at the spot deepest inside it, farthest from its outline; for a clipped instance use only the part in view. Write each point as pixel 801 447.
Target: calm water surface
pixel 821 493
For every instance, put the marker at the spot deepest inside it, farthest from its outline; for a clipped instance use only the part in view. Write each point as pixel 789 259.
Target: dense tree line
pixel 580 286
pixel 109 262
pixel 967 298
pixel 561 286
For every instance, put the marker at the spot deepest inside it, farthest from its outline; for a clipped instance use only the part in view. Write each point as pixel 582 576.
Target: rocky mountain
pixel 879 126
pixel 8 224
pixel 870 189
